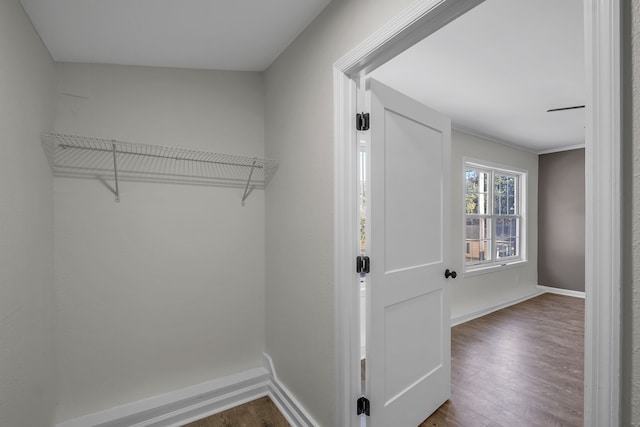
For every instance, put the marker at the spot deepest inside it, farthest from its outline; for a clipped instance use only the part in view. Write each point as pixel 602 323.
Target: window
pixel 494 216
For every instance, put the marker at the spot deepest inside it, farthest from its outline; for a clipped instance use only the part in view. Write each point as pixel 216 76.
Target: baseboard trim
pixel 567 292
pixel 189 404
pixel 182 406
pixel 286 402
pixel 483 312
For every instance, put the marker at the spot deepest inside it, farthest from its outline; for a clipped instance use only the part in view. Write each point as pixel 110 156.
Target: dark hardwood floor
pixel 520 366
pixel 257 413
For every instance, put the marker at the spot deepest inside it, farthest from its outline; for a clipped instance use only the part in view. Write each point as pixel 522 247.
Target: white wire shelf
pixel 88 157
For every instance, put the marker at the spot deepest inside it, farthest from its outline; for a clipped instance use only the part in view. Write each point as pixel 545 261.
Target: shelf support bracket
pixel 246 188
pixel 115 170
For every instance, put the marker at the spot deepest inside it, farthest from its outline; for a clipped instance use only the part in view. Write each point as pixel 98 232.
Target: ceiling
pixel 497 70
pixel 246 35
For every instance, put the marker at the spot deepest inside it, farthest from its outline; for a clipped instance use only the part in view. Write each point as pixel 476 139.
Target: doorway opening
pixel 602 281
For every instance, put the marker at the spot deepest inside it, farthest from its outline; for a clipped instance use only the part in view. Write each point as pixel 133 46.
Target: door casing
pixel 603 233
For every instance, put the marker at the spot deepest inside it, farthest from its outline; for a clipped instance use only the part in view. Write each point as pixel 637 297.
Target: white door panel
pixel 404 242
pixel 408 341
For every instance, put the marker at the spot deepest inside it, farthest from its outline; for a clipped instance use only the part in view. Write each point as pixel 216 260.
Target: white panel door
pixel 409 336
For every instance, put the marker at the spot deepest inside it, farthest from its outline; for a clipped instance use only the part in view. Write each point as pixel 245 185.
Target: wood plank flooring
pixel 520 366
pixel 257 413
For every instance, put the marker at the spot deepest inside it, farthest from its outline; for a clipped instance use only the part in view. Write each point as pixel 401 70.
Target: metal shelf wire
pixel 88 157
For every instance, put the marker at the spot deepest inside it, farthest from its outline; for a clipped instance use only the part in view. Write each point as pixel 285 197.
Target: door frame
pixel 603 234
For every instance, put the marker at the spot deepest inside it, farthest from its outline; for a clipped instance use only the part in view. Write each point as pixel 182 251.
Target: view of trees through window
pixel 363 200
pixel 492 215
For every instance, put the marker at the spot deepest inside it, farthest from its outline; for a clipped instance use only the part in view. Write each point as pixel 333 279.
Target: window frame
pixel 521 208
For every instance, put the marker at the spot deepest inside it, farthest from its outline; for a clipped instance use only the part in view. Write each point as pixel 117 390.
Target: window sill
pixel 494 268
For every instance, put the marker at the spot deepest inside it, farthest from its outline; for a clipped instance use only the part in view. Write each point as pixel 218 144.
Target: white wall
pixel 299 212
pixel 479 292
pixel 27 363
pixel 166 288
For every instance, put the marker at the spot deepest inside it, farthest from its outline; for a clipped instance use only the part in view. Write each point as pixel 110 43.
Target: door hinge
pixel 363 264
pixel 363 406
pixel 362 121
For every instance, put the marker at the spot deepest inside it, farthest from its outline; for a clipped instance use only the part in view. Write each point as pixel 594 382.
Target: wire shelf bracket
pixel 115 172
pixel 88 157
pixel 246 188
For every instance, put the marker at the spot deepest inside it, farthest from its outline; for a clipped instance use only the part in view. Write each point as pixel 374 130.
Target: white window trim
pixel 522 260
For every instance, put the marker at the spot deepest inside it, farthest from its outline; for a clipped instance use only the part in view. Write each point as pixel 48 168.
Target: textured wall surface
pixel 561 216
pixel 166 288
pixel 27 362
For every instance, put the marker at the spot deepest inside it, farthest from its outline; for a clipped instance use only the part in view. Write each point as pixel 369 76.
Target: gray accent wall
pixel 561 204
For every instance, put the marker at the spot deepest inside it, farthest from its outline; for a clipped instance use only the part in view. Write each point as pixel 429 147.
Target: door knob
pixel 451 274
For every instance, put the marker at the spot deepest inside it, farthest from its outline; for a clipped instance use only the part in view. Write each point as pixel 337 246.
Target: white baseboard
pixel 286 402
pixel 483 312
pixel 183 406
pixel 559 291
